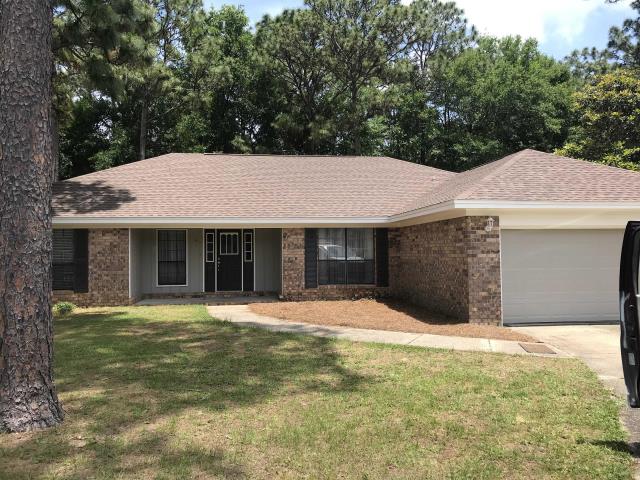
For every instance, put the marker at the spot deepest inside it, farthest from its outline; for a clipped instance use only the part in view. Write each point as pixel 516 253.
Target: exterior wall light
pixel 489 227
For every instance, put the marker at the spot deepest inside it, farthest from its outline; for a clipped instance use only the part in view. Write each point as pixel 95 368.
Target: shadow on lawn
pixel 123 377
pixel 632 448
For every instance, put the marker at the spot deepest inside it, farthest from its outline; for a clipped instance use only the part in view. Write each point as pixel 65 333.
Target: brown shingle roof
pixel 250 186
pixel 530 176
pixel 270 186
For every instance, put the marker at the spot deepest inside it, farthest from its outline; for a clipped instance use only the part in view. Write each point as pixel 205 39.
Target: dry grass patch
pixel 381 315
pixel 194 397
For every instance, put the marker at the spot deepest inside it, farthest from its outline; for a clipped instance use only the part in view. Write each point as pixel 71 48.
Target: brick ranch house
pixel 532 237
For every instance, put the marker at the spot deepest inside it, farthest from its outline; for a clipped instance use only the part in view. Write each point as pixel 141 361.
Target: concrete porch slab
pixel 210 300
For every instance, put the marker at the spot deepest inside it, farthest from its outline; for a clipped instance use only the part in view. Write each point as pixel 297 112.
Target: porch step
pixel 214 299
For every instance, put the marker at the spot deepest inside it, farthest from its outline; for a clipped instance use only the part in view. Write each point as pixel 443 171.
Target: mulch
pixel 382 315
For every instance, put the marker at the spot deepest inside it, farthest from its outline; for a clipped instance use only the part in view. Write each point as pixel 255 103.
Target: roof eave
pixel 441 211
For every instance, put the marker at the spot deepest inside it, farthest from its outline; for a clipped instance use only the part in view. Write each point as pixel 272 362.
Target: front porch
pixel 166 263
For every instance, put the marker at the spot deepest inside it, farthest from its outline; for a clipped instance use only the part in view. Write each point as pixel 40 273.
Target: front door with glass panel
pixel 229 260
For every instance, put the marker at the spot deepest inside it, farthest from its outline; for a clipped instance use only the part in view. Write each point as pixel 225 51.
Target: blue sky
pixel 559 25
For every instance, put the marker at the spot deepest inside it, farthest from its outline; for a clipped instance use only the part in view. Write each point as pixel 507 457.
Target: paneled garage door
pixel 560 276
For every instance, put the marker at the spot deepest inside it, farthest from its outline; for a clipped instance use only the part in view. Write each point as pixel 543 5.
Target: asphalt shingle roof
pixel 271 186
pixel 250 186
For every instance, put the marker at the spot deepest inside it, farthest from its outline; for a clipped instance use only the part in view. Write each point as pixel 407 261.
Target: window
pixel 345 256
pixel 172 257
pixel 70 260
pixel 248 246
pixel 210 248
pixel 229 243
pixel 63 266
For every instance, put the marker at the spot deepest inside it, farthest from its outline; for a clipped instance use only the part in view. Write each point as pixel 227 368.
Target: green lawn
pixel 167 392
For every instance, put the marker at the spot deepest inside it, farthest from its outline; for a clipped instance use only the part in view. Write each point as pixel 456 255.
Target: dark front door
pixel 229 260
pixel 629 326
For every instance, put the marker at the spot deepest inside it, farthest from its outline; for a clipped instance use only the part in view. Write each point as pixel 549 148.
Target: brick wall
pixel 450 267
pixel 108 270
pixel 293 275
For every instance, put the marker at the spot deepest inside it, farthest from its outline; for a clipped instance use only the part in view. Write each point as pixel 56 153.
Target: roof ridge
pixel 298 155
pixel 492 174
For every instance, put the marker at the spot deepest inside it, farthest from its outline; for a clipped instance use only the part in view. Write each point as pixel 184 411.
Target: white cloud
pixel 540 19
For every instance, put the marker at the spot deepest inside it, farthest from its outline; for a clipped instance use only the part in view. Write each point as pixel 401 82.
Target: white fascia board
pixel 198 222
pixel 449 209
pixel 544 205
pixel 423 212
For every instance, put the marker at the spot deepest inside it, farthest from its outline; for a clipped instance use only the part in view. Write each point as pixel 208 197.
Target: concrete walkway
pixel 242 315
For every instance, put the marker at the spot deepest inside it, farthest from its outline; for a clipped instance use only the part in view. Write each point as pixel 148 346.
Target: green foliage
pixel 95 42
pixel 504 96
pixel 608 120
pixel 63 308
pixel 623 41
pixel 293 51
pixel 140 78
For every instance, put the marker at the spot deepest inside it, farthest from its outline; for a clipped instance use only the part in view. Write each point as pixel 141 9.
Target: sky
pixel 560 26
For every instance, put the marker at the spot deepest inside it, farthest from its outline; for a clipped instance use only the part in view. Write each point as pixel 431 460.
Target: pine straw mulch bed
pixel 381 315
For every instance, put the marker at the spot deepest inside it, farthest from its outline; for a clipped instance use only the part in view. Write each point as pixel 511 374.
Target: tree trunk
pixel 356 123
pixel 55 148
pixel 142 147
pixel 28 398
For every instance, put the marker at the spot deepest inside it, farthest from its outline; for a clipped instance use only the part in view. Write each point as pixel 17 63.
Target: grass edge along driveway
pixel 166 392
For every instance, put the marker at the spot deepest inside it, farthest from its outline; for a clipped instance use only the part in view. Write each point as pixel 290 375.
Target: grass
pixel 167 392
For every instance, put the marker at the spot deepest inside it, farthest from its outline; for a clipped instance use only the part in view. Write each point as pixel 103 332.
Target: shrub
pixel 63 308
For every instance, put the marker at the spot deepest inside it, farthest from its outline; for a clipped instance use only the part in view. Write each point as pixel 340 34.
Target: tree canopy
pixel 139 78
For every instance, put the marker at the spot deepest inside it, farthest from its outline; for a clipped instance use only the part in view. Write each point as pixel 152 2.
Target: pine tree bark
pixel 142 142
pixel 28 398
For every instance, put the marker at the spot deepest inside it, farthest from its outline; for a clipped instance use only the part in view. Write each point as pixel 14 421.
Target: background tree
pixel 375 77
pixel 623 41
pixel 295 55
pixel 165 42
pixel 499 98
pixel 28 397
pixel 96 45
pixel 439 34
pixel 221 70
pixel 363 38
pixel 607 128
pixel 606 107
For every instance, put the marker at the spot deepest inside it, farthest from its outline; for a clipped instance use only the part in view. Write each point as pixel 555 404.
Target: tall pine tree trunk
pixel 28 398
pixel 356 123
pixel 142 141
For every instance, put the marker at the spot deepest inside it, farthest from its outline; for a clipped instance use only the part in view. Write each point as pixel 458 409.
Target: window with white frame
pixel 172 257
pixel 229 243
pixel 248 246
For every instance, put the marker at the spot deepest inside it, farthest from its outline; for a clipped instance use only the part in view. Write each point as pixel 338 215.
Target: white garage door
pixel 560 275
